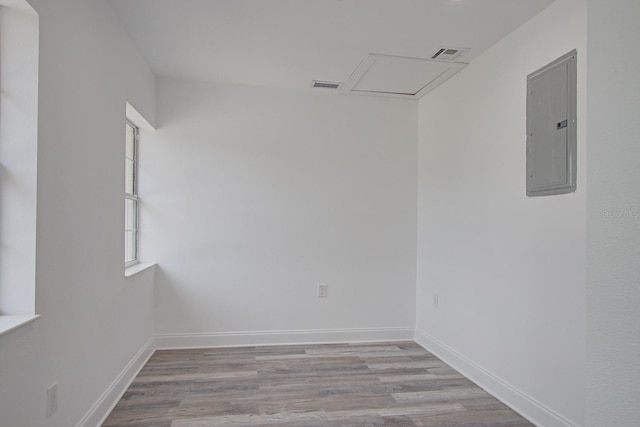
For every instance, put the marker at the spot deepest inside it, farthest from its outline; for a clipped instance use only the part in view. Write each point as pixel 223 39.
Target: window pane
pixel 130 141
pixel 130 214
pixel 129 187
pixel 129 246
pixel 130 205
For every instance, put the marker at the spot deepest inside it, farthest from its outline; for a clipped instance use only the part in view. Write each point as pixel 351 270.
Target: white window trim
pixel 9 323
pixel 134 197
pixel 139 266
pixel 19 46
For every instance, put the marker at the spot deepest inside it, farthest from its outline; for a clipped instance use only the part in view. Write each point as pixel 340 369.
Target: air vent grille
pixel 448 53
pixel 317 84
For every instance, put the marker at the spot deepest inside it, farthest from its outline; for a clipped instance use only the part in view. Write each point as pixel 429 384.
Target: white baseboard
pixel 517 400
pixel 256 338
pixel 103 406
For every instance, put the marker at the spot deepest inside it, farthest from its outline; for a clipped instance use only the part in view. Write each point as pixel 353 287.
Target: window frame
pixel 19 52
pixel 132 197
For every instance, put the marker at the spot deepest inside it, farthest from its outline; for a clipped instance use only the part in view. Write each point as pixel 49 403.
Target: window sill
pixel 10 323
pixel 138 268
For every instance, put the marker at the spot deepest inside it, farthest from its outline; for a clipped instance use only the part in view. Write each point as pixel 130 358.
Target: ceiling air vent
pixel 317 84
pixel 448 53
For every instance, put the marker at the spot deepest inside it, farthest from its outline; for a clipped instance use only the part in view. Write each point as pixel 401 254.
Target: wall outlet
pixel 322 291
pixel 435 300
pixel 52 399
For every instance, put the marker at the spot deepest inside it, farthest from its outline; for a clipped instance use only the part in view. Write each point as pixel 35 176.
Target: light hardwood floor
pixel 331 385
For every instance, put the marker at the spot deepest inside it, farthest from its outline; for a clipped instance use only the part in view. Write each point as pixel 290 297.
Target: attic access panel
pixel 551 128
pixel 399 76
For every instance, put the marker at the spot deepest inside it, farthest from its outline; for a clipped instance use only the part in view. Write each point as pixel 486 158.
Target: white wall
pixel 323 186
pixel 509 270
pixel 613 215
pixel 93 320
pixel 254 196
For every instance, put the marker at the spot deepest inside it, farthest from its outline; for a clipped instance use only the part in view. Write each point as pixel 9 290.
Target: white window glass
pixel 131 195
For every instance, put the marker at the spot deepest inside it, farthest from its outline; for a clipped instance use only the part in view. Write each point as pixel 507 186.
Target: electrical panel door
pixel 551 128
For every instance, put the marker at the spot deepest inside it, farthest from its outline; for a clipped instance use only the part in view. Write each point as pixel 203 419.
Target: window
pixel 131 195
pixel 19 50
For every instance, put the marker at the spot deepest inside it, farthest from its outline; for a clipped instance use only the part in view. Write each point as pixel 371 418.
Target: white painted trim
pixel 105 404
pixel 257 338
pixel 138 267
pixel 136 118
pixel 519 401
pixel 10 323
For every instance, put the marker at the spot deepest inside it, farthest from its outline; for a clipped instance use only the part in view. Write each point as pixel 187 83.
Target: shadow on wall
pixel 190 305
pixel 169 296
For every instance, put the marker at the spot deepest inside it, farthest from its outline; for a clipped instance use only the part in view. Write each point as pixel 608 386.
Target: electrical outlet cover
pixel 52 399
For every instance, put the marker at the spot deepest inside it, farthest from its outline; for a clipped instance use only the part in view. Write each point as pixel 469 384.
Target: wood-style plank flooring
pixel 331 385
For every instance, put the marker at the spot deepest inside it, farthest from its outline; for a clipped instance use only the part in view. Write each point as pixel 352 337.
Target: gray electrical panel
pixel 551 128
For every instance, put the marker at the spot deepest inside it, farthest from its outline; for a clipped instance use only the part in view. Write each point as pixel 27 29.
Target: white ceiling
pixel 289 43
